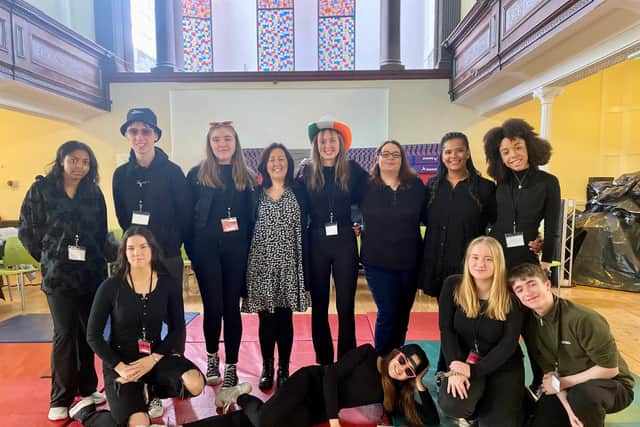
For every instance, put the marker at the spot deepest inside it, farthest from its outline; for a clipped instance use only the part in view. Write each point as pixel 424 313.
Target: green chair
pixel 14 263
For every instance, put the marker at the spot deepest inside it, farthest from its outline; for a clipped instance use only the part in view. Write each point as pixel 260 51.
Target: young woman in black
pixel 138 298
pixel 63 224
pixel 315 394
pixel 224 193
pixel 526 195
pixel 333 183
pixel 391 242
pixel 277 259
pixel 480 323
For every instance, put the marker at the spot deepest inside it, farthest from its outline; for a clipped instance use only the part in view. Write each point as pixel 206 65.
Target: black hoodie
pixel 163 190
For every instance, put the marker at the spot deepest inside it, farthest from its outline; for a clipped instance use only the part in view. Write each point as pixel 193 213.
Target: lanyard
pixel 144 303
pixel 514 199
pixel 557 362
pixel 229 200
pixel 142 186
pixel 476 328
pixel 331 196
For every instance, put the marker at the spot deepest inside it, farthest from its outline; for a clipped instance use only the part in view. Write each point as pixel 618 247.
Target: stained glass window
pixel 336 35
pixel 197 35
pixel 275 35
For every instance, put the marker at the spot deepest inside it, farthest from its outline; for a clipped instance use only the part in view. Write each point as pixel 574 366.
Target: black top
pixel 454 217
pixel 497 340
pixel 164 193
pixel 354 380
pixel 331 196
pixel 391 235
pixel 212 204
pixel 49 222
pixel 539 199
pixel 129 312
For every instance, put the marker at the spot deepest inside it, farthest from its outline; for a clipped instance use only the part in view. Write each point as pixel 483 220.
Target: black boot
pixel 283 373
pixel 266 378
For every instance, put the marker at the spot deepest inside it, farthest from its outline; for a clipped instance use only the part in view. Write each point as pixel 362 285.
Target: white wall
pixel 74 14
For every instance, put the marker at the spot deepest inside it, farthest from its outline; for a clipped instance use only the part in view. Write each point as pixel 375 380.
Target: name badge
pixel 514 240
pixel 555 382
pixel 140 218
pixel 76 253
pixel 473 358
pixel 229 224
pixel 144 346
pixel 331 229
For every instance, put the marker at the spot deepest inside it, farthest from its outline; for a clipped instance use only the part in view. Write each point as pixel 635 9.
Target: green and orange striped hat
pixel 327 122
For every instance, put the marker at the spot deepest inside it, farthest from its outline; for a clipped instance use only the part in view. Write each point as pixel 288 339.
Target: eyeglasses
pixel 221 124
pixel 389 155
pixel 408 370
pixel 143 131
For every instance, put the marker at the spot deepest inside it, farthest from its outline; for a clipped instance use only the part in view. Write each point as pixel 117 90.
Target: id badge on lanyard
pixel 144 346
pixel 514 240
pixel 140 217
pixel 76 252
pixel 331 227
pixel 230 223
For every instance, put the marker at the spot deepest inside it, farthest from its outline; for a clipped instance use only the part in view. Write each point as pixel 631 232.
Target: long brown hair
pixel 407 176
pixel 465 295
pixel 209 173
pixel 398 395
pixel 316 180
pixel 121 266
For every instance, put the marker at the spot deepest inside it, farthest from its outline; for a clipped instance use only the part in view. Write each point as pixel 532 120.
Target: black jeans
pixel 298 403
pixel 496 400
pixel 590 401
pixel 276 328
pixel 337 255
pixel 72 362
pixel 221 270
pixel 393 293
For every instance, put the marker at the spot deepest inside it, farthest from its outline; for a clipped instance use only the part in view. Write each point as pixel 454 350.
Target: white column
pixel 546 95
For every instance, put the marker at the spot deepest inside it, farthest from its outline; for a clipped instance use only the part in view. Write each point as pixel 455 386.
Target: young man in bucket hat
pixel 151 190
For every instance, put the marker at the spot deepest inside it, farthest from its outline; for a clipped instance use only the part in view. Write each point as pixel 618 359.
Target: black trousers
pixel 276 328
pixel 175 266
pixel 298 403
pixel 221 271
pixel 337 255
pixel 72 361
pixel 590 401
pixel 496 400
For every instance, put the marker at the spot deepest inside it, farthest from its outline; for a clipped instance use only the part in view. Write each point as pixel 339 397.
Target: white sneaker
pixel 155 408
pixel 82 409
pixel 228 396
pixel 97 397
pixel 58 413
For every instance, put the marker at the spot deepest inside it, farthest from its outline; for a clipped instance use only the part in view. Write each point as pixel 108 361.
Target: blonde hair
pixel 316 180
pixel 209 173
pixel 466 296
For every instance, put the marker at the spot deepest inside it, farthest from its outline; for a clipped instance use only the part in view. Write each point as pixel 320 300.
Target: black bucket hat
pixel 414 349
pixel 144 115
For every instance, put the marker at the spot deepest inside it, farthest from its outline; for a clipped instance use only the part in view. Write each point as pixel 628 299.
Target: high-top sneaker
pixel 230 375
pixel 213 369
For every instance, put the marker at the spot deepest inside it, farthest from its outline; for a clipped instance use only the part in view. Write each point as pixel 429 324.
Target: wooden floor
pixel 621 309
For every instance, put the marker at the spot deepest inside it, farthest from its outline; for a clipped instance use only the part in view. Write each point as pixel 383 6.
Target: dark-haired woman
pixel 391 242
pixel 138 298
pixel 63 224
pixel 315 394
pixel 526 195
pixel 275 270
pixel 224 194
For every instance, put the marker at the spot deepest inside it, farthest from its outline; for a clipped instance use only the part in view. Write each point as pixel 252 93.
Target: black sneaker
pixel 213 369
pixel 230 376
pixel 82 409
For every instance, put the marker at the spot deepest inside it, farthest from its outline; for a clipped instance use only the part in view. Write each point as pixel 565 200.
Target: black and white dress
pixel 275 276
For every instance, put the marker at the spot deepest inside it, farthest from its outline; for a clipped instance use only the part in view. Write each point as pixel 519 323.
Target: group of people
pixel 270 244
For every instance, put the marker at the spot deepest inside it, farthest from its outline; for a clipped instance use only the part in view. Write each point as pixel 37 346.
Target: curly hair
pixel 538 149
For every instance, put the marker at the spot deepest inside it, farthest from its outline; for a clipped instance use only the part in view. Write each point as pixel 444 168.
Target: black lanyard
pixel 476 328
pixel 331 196
pixel 142 184
pixel 144 303
pixel 559 342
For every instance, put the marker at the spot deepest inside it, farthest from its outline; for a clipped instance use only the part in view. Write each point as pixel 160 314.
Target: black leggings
pixel 337 255
pixel 298 403
pixel 221 277
pixel 276 328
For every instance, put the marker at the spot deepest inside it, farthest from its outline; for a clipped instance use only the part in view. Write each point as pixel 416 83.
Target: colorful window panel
pixel 336 35
pixel 275 35
pixel 197 35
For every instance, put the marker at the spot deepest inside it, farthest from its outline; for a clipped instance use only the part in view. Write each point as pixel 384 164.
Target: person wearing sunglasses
pixel 315 394
pixel 391 242
pixel 480 323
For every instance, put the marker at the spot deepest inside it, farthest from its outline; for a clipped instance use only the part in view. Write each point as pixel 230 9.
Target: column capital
pixel 547 94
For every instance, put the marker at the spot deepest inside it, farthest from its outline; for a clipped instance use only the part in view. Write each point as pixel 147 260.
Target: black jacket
pixel 49 222
pixel 165 194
